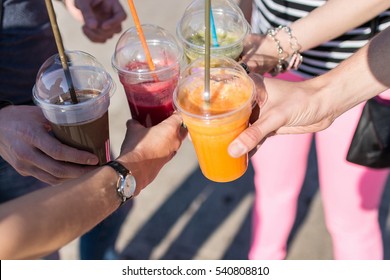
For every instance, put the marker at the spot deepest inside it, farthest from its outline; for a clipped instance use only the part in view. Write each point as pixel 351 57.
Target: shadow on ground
pixel 207 205
pixel 215 201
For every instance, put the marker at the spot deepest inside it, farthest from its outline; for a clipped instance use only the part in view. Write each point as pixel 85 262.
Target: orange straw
pixel 141 35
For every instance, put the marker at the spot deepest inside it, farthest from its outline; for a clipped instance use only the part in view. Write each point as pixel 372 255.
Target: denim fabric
pixel 13 185
pixel 99 243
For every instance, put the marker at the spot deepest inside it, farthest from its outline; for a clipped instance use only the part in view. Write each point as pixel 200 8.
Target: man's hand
pixel 27 145
pixel 146 150
pixel 102 19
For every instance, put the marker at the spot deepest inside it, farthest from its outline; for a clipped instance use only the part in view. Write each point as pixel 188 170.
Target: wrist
pixel 126 184
pixel 326 98
pixel 133 162
pixel 269 47
pixel 288 57
pixel 111 175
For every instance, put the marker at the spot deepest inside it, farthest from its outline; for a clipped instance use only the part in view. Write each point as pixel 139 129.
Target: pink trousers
pixel 350 193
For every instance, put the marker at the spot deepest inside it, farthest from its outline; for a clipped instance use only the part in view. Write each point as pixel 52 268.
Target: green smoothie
pixel 229 45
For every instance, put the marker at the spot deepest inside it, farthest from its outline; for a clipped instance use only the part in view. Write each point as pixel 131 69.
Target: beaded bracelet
pixel 295 59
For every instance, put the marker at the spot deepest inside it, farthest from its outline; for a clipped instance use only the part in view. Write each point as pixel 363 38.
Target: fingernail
pixel 92 161
pixel 245 66
pixel 183 131
pixel 236 149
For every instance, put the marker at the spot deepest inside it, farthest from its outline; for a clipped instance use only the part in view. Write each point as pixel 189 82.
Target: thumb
pixel 252 137
pixel 176 123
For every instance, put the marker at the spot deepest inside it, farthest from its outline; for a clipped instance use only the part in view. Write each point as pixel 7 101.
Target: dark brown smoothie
pixel 92 136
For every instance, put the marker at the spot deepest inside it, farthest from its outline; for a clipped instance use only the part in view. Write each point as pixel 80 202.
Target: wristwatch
pixel 126 183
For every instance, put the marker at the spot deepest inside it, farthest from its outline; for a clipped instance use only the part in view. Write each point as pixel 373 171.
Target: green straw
pixel 207 53
pixel 61 51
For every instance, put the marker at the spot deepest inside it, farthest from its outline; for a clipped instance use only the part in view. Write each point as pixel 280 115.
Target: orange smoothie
pixel 214 126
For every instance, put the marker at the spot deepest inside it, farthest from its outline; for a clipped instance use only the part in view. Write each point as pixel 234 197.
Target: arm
pixel 333 19
pixel 324 23
pixel 43 221
pixel 312 105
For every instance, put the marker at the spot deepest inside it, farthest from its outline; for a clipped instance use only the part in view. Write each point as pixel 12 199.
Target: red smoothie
pixel 150 101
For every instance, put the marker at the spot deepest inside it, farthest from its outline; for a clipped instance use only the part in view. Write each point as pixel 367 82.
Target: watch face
pixel 129 186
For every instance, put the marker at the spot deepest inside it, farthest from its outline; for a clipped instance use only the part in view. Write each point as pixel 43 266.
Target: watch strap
pixel 123 171
pixel 118 167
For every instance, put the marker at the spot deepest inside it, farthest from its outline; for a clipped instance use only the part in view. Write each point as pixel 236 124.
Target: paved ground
pixel 181 215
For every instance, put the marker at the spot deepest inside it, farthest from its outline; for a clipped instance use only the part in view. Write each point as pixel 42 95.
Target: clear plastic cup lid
pixel 92 84
pixel 223 70
pixel 230 24
pixel 164 50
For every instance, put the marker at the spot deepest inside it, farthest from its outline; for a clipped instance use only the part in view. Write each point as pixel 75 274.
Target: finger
pixel 94 35
pixel 41 175
pixel 254 135
pixel 114 30
pixel 176 119
pixel 44 168
pixel 105 32
pixel 54 149
pixel 60 170
pixel 183 133
pixel 88 14
pixel 171 132
pixel 118 16
pixel 100 36
pixel 259 63
pixel 55 176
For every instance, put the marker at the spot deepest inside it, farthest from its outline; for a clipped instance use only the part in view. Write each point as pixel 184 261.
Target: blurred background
pixel 182 215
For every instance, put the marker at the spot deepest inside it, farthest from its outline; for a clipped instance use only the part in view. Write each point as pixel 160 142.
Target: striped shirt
pixel 272 13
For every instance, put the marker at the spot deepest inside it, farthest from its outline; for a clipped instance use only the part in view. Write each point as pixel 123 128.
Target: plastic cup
pixel 149 93
pixel 230 25
pixel 214 125
pixel 83 125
